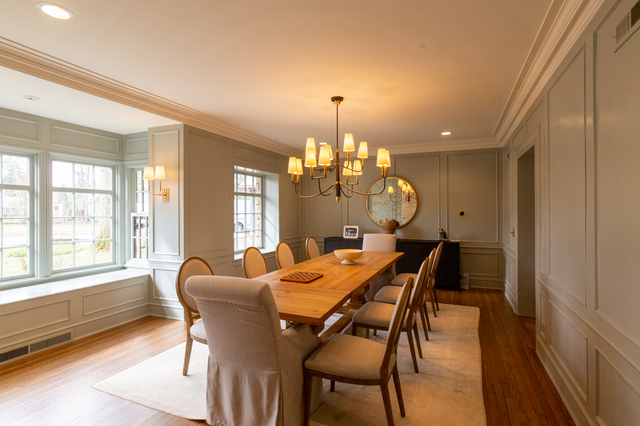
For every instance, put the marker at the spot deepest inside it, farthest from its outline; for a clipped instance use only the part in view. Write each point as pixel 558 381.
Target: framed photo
pixel 350 232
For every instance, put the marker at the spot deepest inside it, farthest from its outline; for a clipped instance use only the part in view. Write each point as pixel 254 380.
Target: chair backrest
pixel 241 316
pixel 253 263
pixel 190 267
pixel 284 255
pixel 436 262
pixel 419 285
pixel 379 242
pixel 312 248
pixel 397 319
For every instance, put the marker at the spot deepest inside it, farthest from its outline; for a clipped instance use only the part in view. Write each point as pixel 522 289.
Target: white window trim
pixel 129 194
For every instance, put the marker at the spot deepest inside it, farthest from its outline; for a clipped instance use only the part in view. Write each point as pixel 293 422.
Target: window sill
pixel 54 286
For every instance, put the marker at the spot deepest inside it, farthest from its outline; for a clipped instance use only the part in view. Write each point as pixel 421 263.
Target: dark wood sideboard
pixel 415 251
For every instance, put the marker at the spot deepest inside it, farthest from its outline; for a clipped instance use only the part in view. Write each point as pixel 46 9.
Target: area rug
pixel 447 391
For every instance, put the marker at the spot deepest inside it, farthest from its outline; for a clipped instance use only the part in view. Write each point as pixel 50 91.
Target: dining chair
pixel 377 315
pixel 195 329
pixel 255 370
pixel 431 290
pixel 284 255
pixel 379 242
pixel 312 248
pixel 390 293
pixel 253 263
pixel 355 360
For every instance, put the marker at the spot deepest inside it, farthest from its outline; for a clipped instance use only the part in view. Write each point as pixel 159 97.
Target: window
pixel 82 209
pixel 139 216
pixel 17 209
pixel 248 200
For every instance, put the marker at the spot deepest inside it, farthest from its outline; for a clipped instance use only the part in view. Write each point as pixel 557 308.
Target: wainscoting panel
pixel 19 129
pixel 137 145
pixel 108 299
pixel 31 318
pixel 570 345
pixel 618 388
pixel 70 138
pixel 164 289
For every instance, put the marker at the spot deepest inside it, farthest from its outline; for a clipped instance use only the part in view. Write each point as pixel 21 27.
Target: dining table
pixel 314 302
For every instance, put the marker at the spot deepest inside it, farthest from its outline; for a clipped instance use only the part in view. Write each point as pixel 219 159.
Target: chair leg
pixel 386 399
pixel 413 350
pixel 375 332
pixel 415 330
pixel 433 305
pixel 187 355
pixel 367 333
pixel 435 296
pixel 333 386
pixel 354 329
pixel 308 378
pixel 425 325
pixel 396 382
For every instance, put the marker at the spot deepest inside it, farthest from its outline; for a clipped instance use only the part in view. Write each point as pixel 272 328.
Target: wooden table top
pixel 312 303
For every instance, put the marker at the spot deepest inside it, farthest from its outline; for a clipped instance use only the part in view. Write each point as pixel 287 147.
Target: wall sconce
pixel 159 174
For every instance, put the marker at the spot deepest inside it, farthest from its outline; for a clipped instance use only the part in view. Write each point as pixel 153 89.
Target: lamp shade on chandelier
pixel 322 163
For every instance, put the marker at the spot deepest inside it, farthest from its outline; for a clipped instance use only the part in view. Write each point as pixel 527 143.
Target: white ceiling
pixel 408 70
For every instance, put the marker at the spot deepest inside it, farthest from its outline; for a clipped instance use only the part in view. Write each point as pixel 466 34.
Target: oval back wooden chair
pixel 312 248
pixel 284 255
pixel 195 328
pixel 253 263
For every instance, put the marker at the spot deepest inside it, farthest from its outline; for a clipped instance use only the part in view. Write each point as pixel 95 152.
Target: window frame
pixel 116 224
pixel 33 214
pixel 262 196
pixel 132 191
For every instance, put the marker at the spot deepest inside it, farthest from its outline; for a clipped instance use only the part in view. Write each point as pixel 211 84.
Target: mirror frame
pixel 366 204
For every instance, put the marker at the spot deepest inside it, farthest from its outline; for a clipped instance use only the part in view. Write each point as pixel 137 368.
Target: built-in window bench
pixel 39 316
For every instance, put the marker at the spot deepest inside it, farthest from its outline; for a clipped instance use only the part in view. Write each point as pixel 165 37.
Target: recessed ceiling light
pixel 445 133
pixel 31 98
pixel 54 10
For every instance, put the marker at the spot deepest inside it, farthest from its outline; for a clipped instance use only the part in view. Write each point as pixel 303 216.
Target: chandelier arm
pixel 332 188
pixel 367 193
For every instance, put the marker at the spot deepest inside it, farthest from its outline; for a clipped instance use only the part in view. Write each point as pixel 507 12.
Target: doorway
pixel 526 233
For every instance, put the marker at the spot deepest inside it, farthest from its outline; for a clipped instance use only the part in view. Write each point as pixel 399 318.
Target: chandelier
pixel 351 170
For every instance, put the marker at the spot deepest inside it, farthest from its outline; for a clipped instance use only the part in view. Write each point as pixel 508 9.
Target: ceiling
pixel 407 70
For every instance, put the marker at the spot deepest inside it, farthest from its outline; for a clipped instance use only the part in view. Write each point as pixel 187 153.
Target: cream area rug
pixel 447 391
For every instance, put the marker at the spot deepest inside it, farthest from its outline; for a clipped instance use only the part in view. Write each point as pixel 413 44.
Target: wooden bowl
pixel 348 255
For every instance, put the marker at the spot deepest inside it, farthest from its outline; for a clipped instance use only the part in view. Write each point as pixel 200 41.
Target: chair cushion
pixel 400 279
pixel 349 356
pixel 376 314
pixel 197 331
pixel 388 294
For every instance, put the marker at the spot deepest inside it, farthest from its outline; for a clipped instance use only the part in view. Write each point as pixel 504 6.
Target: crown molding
pixel 568 25
pixel 38 64
pixel 440 146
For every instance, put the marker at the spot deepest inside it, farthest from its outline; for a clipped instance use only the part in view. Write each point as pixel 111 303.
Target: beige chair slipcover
pixel 255 371
pixel 253 263
pixel 312 248
pixel 284 255
pixel 379 242
pixel 195 330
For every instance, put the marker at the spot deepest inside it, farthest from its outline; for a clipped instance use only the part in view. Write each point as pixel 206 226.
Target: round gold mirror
pixel 398 202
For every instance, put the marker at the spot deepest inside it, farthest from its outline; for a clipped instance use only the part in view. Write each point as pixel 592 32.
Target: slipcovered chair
pixel 255 371
pixel 284 255
pixel 354 360
pixel 379 242
pixel 377 315
pixel 253 263
pixel 312 248
pixel 195 330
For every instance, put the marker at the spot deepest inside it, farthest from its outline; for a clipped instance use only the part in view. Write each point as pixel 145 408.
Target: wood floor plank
pixel 53 387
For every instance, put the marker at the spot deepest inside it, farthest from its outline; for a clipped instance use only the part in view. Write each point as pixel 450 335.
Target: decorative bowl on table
pixel 348 255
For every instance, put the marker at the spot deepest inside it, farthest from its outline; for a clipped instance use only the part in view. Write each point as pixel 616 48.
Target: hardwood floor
pixel 54 387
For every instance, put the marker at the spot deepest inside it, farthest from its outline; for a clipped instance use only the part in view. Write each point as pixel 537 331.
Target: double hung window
pixel 248 200
pixel 139 216
pixel 82 215
pixel 16 184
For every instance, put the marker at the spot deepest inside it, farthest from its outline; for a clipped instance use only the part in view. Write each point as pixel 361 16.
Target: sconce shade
pixel 293 165
pixel 348 146
pixel 311 144
pixel 363 150
pixel 299 169
pixel 148 173
pixel 160 172
pixel 383 158
pixel 310 158
pixel 357 168
pixel 324 159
